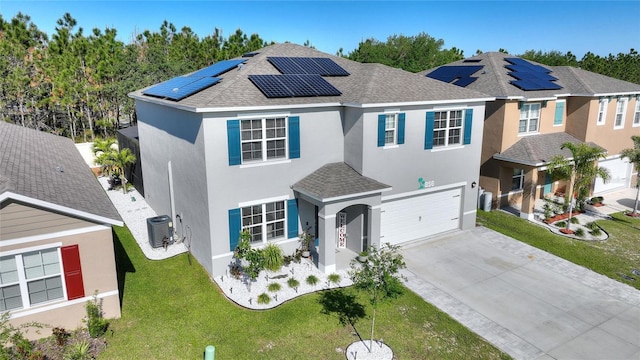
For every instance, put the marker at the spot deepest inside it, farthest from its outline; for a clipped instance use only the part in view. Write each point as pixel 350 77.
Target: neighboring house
pixel 288 139
pixel 128 139
pixel 56 244
pixel 537 109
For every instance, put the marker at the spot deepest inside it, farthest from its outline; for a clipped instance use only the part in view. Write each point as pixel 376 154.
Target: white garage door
pixel 421 216
pixel 619 170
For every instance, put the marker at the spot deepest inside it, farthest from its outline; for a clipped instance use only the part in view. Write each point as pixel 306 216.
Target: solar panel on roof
pixel 530 76
pixel 218 68
pixel 180 87
pixel 312 66
pixel 293 85
pixel 451 73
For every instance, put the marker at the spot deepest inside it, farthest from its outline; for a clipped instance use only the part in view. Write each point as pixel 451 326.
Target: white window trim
pixel 395 131
pixel 625 103
pixel 602 111
pixel 527 131
pixel 264 140
pixel 521 176
pixel 447 129
pixel 22 279
pixel 264 223
pixel 636 114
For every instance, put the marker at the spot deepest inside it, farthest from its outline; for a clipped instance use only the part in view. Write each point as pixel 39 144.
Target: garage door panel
pixel 417 217
pixel 619 169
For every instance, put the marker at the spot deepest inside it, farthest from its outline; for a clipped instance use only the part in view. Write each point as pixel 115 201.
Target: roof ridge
pixel 579 79
pixel 495 73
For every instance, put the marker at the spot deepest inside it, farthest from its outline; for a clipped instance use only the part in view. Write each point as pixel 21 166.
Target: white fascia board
pixel 516 161
pixel 63 209
pixel 542 98
pixel 266 107
pixel 418 103
pixel 343 197
pixel 618 93
pixel 162 102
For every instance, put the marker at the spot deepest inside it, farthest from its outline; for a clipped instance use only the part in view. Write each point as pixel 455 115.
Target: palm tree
pixel 122 160
pixel 634 157
pixel 103 150
pixel 581 170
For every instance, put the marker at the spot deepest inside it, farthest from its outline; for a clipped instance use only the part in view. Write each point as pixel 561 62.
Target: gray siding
pixel 169 135
pixel 19 220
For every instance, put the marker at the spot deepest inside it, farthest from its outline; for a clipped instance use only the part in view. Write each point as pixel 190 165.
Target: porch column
pixel 327 248
pixel 529 192
pixel 373 215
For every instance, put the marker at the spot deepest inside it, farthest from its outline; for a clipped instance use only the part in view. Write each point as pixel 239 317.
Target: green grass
pixel 172 310
pixel 620 253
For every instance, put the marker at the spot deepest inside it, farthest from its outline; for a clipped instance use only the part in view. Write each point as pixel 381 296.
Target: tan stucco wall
pixel 99 274
pixel 20 220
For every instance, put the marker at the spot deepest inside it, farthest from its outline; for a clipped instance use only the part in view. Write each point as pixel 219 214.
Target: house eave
pixel 342 197
pixel 59 208
pixel 517 161
pixel 417 103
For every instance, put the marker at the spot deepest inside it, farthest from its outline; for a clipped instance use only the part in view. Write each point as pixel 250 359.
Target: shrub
pixel 312 280
pixel 61 335
pixel 334 278
pixel 264 298
pixel 272 257
pixel 574 220
pixel 592 225
pixel 596 231
pixel 78 351
pixel 579 232
pixel 287 260
pixel 561 224
pixel 96 324
pixel 293 283
pixel 274 287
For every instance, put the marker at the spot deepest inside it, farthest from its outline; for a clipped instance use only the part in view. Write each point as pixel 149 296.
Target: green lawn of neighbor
pixel 619 254
pixel 172 310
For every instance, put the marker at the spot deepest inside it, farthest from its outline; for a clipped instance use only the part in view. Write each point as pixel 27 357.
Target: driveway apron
pixel 527 302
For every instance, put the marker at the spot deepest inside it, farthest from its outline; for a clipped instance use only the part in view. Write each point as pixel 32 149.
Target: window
pixel 621 110
pixel 263 139
pixel 30 278
pixel 602 111
pixel 390 129
pixel 264 221
pixel 447 128
pixel 517 180
pixel 636 116
pixel 260 140
pixel 529 118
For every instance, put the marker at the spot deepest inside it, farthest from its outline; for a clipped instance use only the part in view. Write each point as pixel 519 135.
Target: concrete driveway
pixel 528 303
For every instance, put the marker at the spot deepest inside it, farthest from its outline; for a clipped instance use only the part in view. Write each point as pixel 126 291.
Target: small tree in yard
pixel 633 155
pixel 581 170
pixel 379 277
pixel 122 160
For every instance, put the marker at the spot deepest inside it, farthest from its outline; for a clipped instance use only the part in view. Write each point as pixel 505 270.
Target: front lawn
pixel 172 310
pixel 616 256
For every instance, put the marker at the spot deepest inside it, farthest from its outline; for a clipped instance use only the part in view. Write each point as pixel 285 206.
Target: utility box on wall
pixel 160 230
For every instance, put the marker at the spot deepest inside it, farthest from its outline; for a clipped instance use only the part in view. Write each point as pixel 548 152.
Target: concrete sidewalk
pixel 528 303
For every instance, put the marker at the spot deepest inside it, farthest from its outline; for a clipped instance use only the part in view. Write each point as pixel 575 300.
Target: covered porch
pixel 342 209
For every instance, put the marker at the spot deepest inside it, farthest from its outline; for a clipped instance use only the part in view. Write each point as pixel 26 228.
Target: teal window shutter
pixel 381 128
pixel 292 218
pixel 428 133
pixel 235 226
pixel 520 104
pixel 557 120
pixel 401 117
pixel 233 142
pixel 294 137
pixel 468 119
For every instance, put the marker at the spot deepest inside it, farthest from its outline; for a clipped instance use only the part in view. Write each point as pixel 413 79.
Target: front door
pixel 548 182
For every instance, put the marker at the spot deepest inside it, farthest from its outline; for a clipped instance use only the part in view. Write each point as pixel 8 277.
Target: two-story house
pixel 56 242
pixel 288 139
pixel 537 109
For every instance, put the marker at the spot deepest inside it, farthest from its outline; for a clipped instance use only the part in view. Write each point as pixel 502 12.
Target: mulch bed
pixel 561 217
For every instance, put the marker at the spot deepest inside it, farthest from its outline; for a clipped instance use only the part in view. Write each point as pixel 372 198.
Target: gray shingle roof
pixel 493 79
pixel 337 180
pixel 49 168
pixel 366 84
pixel 535 150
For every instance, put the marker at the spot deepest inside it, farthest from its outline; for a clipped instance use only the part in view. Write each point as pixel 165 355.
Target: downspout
pixel 171 194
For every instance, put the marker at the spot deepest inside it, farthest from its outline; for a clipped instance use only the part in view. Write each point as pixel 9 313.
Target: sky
pixel 601 27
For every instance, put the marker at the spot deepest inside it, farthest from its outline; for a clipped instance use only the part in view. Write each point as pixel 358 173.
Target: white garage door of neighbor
pixel 619 170
pixel 420 216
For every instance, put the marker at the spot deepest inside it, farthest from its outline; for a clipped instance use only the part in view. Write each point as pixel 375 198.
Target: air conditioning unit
pixel 160 230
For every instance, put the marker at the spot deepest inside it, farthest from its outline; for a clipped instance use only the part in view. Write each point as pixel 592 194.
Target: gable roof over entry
pixel 337 181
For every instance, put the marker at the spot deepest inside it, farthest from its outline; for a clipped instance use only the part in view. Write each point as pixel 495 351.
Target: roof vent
pixel 59 168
